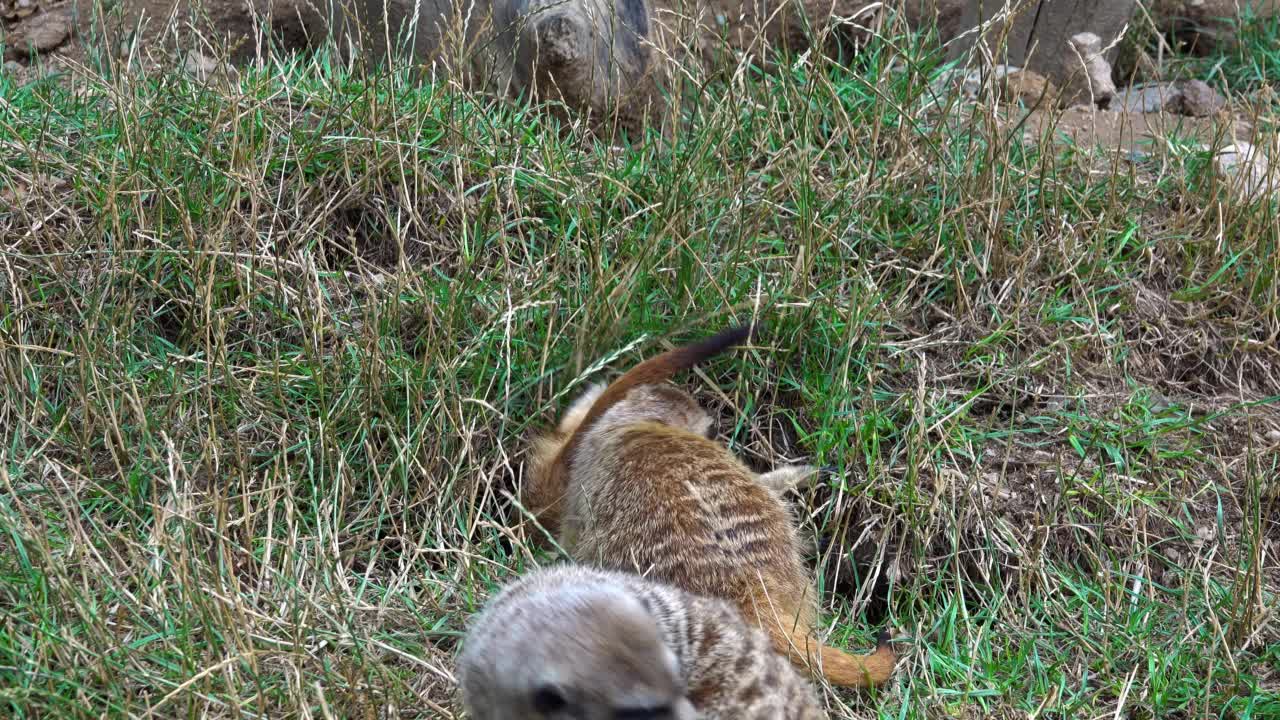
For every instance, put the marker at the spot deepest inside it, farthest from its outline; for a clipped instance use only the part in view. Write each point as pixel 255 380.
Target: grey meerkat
pixel 630 481
pixel 575 642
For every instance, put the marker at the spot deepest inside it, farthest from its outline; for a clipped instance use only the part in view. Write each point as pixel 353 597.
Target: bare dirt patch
pixel 1087 127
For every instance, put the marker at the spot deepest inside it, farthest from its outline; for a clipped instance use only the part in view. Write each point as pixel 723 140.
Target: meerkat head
pixel 581 651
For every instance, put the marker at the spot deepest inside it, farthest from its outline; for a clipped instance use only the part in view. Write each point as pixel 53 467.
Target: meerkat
pixel 574 642
pixel 630 480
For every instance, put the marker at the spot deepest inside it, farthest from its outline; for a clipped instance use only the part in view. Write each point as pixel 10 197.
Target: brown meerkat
pixel 631 481
pixel 574 642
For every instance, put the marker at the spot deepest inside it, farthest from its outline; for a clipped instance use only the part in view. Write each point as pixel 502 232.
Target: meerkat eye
pixel 548 699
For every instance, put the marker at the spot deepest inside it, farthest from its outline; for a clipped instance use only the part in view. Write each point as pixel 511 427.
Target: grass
pixel 1252 62
pixel 271 349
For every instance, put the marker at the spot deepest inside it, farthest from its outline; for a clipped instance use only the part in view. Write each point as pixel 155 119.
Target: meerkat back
pixel 630 481
pixel 571 642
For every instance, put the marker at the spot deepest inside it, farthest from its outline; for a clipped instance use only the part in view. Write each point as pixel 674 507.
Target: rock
pixel 1149 98
pixel 15 10
pixel 1089 81
pixel 39 34
pixel 205 68
pixel 1030 88
pixel 1192 97
pixel 1273 436
pixel 1039 35
pixel 12 67
pixel 974 80
pixel 944 15
pixel 1010 85
pixel 593 55
pixel 1199 100
pixel 1133 64
pixel 1247 170
pixel 199 65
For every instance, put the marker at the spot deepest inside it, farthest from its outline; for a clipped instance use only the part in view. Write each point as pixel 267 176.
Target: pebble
pixel 1200 100
pixel 1246 169
pixel 1192 97
pixel 971 85
pixel 205 68
pixel 1148 98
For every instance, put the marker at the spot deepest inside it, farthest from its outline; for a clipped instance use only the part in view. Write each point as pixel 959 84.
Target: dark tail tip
pixel 737 335
pixel 722 341
pixel 884 639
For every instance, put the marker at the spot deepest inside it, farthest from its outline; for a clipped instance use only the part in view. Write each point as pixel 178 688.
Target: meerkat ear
pixel 580 407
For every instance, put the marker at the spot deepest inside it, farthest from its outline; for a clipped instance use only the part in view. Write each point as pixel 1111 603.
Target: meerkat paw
pixel 789 477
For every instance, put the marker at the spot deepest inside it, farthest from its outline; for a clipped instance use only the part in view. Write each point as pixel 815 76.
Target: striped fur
pixel 613 645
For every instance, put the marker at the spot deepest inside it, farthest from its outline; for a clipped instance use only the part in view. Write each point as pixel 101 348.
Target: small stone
pixel 15 11
pixel 1199 100
pixel 199 66
pixel 203 68
pixel 1149 98
pixel 1273 436
pixel 12 67
pixel 40 33
pixel 1246 169
pixel 1028 87
pixel 972 82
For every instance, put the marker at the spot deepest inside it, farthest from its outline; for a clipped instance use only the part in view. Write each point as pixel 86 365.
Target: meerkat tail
pixel 651 371
pixel 859 671
pixel 837 666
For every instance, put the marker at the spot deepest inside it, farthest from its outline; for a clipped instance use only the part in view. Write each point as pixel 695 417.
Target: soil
pixel 1135 132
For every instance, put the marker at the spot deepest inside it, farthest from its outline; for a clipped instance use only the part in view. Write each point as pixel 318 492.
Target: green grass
pixel 1245 65
pixel 271 351
pixel 1252 61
